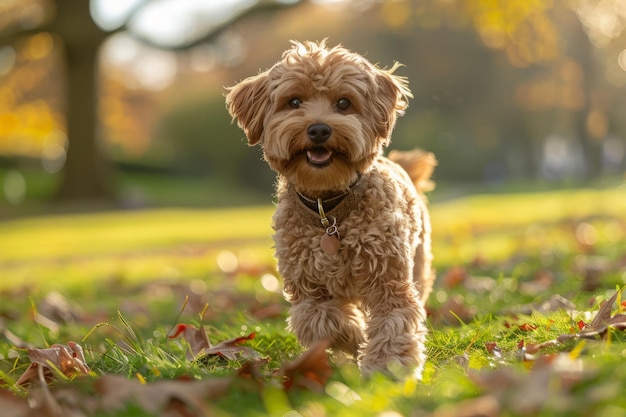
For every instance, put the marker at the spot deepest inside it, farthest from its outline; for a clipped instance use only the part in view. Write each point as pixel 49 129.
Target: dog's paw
pixel 399 357
pixel 397 369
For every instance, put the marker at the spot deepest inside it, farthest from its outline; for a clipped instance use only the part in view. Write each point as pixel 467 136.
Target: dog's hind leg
pixel 423 273
pixel 419 165
pixel 339 323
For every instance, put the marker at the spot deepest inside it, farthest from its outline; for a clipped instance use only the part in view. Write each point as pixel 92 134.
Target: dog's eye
pixel 295 102
pixel 343 104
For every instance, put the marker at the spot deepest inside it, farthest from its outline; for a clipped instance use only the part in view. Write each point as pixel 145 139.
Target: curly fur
pixel 368 298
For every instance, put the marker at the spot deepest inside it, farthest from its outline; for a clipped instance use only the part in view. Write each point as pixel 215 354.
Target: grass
pixel 118 282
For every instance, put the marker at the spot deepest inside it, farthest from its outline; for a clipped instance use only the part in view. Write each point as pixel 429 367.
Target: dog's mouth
pixel 319 156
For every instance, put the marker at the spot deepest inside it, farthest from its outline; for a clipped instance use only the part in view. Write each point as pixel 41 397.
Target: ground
pixel 186 306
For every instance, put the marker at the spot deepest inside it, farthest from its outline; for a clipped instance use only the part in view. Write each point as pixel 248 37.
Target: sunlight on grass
pixel 169 243
pixel 118 282
pixel 88 234
pixel 147 244
pixel 495 226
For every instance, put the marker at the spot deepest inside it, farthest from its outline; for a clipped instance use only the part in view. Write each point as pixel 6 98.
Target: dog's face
pixel 322 115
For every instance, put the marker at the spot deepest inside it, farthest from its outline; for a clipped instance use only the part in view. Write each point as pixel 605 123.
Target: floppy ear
pixel 248 102
pixel 389 101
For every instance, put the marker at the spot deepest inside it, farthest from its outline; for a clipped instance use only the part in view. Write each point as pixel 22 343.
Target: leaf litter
pixel 552 379
pixel 58 377
pixel 501 388
pixel 516 384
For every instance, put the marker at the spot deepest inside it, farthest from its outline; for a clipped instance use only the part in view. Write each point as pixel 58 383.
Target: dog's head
pixel 322 114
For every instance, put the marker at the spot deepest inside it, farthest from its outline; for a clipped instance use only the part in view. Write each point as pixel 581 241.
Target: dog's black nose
pixel 319 132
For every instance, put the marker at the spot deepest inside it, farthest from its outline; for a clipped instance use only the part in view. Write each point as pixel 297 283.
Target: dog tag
pixel 329 244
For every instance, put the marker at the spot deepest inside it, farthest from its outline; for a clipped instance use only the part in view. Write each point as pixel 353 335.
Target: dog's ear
pixel 247 102
pixel 390 100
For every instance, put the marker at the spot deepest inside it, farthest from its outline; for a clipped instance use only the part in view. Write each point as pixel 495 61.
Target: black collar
pixel 328 203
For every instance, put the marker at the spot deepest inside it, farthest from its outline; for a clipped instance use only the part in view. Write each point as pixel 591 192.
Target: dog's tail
pixel 419 164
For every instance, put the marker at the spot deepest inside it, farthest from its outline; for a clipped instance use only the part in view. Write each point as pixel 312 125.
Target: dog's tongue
pixel 319 155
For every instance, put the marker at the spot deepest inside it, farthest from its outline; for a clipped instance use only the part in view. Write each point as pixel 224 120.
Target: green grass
pixel 118 282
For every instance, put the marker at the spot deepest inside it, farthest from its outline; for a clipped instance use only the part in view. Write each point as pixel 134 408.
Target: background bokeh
pixel 121 102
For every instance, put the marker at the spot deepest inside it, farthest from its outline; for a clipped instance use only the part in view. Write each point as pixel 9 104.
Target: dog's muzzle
pixel 319 155
pixel 319 133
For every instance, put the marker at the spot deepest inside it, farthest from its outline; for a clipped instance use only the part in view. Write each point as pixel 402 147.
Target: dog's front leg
pixel 395 330
pixel 338 322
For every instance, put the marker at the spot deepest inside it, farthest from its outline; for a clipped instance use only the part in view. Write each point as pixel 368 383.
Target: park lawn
pixel 117 283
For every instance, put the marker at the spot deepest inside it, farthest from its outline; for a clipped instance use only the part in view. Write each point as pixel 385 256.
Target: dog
pixel 351 227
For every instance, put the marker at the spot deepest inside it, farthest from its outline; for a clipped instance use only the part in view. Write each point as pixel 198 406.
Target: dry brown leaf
pixel 310 371
pixel 13 339
pixel 602 321
pixel 197 339
pixel 555 303
pixel 550 379
pixel 12 405
pixel 199 343
pixel 116 392
pixel 494 349
pixel 604 313
pixel 542 281
pixel 57 308
pixel 533 348
pixel 232 349
pixel 252 369
pixel 454 277
pixel 484 406
pixel 453 310
pixel 618 321
pixel 69 359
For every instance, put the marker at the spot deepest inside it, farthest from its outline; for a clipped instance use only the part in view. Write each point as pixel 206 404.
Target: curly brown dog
pixel 352 229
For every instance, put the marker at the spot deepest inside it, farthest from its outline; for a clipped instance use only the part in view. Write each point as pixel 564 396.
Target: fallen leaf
pixel 593 269
pixel 532 348
pixel 310 371
pixel 527 327
pixel 454 277
pixel 555 303
pixel 542 281
pixel 483 406
pixel 69 359
pixel 232 349
pixel 604 313
pixel 12 405
pixel 453 311
pixel 493 349
pixel 618 321
pixel 551 379
pixel 480 284
pixel 603 320
pixel 57 308
pixel 116 392
pixel 196 337
pixel 199 343
pixel 252 369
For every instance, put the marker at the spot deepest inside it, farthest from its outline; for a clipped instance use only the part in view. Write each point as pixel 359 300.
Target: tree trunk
pixel 86 175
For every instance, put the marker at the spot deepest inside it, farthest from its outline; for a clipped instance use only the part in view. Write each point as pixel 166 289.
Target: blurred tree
pixel 86 171
pixel 554 50
pixel 492 79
